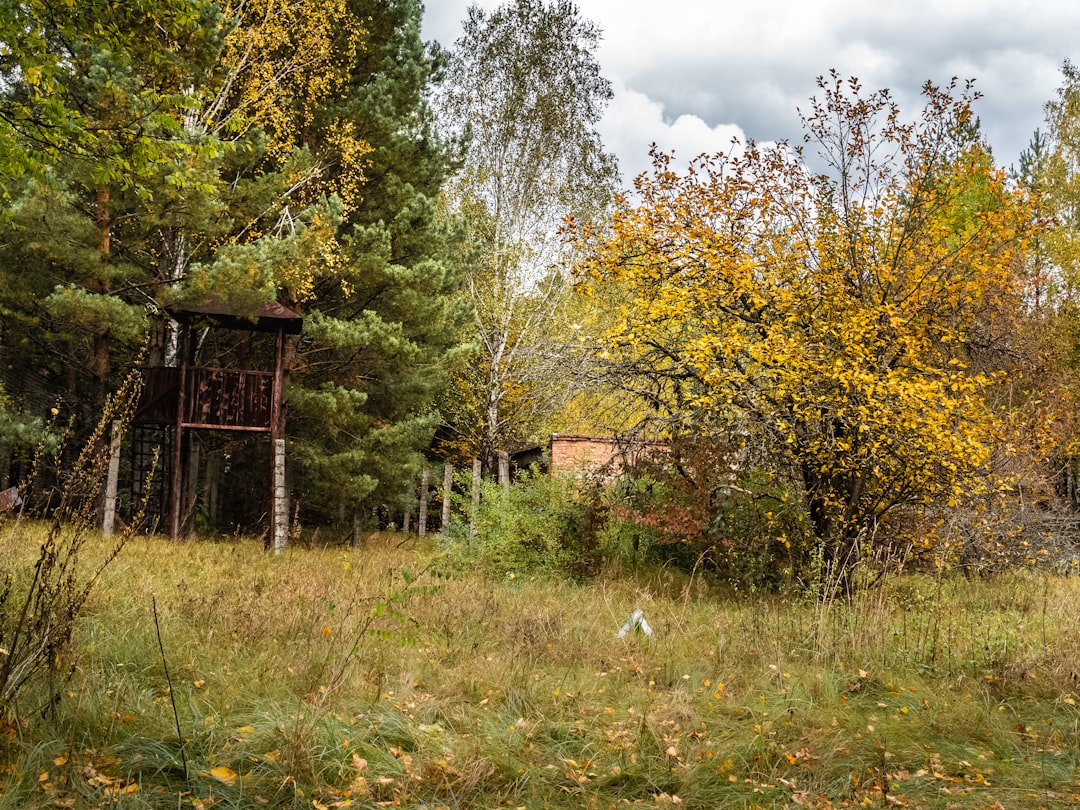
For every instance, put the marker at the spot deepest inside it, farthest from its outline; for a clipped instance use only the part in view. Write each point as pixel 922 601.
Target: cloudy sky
pixel 690 74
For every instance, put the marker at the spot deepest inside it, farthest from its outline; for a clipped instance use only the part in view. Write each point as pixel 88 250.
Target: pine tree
pixel 297 161
pixel 380 334
pixel 94 99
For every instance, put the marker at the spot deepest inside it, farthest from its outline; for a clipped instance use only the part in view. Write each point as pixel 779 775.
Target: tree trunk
pixel 99 363
pixel 213 475
pixel 835 574
pixel 99 370
pixel 494 400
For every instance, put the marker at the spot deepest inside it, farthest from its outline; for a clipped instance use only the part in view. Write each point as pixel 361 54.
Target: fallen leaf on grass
pixel 223 774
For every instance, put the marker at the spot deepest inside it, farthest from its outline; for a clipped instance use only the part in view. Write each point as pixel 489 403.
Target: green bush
pixel 538 524
pixel 758 536
pixel 629 537
pixel 750 535
pixel 41 603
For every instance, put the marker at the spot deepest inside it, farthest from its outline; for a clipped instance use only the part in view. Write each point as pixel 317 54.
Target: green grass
pixel 324 678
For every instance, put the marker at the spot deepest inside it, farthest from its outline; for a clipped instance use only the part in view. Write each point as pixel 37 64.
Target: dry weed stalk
pixel 36 629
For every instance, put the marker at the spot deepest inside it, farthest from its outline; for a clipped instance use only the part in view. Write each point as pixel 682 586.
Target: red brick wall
pixel 574 454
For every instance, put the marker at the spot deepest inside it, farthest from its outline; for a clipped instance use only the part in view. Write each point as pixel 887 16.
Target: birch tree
pixel 525 90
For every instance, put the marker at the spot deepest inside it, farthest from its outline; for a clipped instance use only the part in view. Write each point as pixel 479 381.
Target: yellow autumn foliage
pixel 282 60
pixel 844 320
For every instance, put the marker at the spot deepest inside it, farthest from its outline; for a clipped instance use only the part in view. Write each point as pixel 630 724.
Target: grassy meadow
pixel 330 677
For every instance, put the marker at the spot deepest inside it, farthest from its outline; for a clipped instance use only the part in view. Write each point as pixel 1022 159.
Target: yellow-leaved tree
pixel 849 322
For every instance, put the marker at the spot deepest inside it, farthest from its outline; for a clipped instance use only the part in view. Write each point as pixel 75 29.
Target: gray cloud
pixel 749 66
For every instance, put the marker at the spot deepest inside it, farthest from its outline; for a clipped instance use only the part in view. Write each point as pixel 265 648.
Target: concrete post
pixel 281 505
pixel 421 527
pixel 448 491
pixel 108 517
pixel 504 468
pixel 477 474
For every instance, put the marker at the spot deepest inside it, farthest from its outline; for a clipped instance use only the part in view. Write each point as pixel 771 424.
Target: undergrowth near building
pixel 329 677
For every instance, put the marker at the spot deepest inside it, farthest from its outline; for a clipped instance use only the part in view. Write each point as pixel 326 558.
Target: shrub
pixel 750 532
pixel 758 535
pixel 40 604
pixel 538 524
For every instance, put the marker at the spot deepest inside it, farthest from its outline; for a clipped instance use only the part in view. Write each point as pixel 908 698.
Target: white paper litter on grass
pixel 636 622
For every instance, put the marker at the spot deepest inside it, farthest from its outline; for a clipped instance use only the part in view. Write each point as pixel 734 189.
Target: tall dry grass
pixel 329 677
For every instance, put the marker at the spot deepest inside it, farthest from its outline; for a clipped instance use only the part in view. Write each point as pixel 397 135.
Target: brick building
pixel 606 456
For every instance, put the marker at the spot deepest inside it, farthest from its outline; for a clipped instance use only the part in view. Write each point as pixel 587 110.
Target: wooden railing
pixel 223 399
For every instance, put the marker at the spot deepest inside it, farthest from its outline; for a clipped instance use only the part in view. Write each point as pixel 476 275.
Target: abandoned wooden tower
pixel 186 397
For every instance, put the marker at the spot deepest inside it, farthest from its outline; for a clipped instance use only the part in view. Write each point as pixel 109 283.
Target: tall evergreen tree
pixel 94 99
pixel 381 334
pixel 297 160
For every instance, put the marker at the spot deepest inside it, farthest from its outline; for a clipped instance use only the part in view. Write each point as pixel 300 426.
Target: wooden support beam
pixel 176 477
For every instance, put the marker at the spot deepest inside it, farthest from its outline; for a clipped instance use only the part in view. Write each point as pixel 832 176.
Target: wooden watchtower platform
pixel 187 396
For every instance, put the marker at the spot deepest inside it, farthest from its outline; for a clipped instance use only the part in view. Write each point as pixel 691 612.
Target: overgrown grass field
pixel 329 677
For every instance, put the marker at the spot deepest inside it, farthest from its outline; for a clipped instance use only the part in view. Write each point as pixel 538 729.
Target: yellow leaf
pixel 223 774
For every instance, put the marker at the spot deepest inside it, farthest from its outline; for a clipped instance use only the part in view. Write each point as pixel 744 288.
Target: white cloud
pixel 634 121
